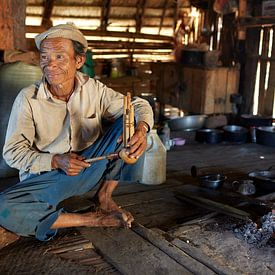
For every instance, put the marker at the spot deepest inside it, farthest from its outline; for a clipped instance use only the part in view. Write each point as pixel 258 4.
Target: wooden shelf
pixel 252 22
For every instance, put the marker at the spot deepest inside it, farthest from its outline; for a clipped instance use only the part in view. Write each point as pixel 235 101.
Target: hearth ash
pixel 258 235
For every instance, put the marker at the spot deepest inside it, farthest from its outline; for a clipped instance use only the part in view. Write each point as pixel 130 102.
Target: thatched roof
pixel 111 25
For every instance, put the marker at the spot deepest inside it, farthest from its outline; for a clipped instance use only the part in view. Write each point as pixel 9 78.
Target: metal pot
pixel 187 123
pixel 265 135
pixel 256 121
pixel 212 181
pixel 211 136
pixel 253 121
pixel 235 134
pixel 264 179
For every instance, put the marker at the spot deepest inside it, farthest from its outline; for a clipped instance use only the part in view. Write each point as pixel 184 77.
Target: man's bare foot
pixel 103 219
pixel 7 237
pixel 106 203
pixel 91 219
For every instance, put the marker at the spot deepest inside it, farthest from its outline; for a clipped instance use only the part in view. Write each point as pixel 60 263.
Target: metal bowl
pixel 187 123
pixel 235 134
pixel 211 136
pixel 212 181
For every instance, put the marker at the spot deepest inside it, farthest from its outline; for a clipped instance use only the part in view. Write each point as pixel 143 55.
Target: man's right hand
pixel 70 163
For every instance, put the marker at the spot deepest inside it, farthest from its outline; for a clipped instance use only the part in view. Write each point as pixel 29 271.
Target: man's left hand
pixel 138 142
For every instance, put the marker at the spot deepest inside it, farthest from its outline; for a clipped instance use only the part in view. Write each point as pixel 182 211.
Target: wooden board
pixel 185 259
pixel 130 253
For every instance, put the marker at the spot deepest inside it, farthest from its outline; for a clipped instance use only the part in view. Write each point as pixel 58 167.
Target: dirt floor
pixel 216 239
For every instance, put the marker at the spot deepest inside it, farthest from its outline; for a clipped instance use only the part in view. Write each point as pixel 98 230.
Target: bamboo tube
pixel 128 120
pixel 125 136
pixel 132 121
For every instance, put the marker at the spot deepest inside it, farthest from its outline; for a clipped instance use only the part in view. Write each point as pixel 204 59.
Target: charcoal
pixel 257 235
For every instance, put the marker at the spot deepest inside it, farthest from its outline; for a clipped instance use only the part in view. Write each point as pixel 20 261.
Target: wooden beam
pixel 163 14
pixel 105 14
pixel 88 4
pixel 127 45
pixel 114 17
pixel 99 44
pixel 127 52
pixel 254 22
pixel 140 14
pixel 164 38
pixel 46 17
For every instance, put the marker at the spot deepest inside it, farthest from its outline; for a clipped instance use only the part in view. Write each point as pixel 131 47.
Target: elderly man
pixel 54 126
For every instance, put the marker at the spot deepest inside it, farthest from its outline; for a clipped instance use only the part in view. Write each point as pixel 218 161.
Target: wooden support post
pixel 242 14
pixel 12 24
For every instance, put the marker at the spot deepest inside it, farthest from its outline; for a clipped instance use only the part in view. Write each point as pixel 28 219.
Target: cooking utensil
pixel 265 135
pixel 264 179
pixel 235 134
pixel 247 120
pixel 253 121
pixel 211 136
pixel 212 181
pixel 187 123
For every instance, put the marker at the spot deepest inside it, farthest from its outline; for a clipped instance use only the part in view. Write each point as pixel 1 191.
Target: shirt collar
pixel 44 92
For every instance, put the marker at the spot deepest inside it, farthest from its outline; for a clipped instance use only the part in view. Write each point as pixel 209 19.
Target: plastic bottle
pixel 154 169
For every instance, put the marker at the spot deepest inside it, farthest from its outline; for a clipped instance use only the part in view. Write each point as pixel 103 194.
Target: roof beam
pixel 46 17
pixel 140 14
pixel 117 17
pixel 98 44
pixel 163 14
pixel 164 38
pixel 105 14
pixel 127 52
pixel 76 5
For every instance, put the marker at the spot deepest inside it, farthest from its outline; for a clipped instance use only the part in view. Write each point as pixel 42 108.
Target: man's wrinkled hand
pixel 138 142
pixel 70 163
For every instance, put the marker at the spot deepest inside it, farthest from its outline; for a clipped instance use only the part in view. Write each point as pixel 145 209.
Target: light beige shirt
pixel 41 125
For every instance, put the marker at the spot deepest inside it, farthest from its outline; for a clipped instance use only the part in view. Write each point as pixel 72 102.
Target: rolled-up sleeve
pixel 18 149
pixel 112 105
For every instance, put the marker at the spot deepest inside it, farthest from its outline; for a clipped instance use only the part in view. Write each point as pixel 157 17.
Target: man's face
pixel 57 60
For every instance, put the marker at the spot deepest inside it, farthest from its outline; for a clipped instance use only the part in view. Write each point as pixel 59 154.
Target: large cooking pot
pixel 247 120
pixel 187 123
pixel 211 136
pixel 235 134
pixel 265 135
pixel 264 179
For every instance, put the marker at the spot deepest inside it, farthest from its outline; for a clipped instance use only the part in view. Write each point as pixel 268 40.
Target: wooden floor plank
pixel 130 253
pixel 180 256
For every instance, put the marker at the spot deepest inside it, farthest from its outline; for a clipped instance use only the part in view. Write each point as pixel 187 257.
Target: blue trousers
pixel 29 208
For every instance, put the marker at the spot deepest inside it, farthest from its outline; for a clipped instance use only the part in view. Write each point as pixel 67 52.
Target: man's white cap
pixel 68 31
